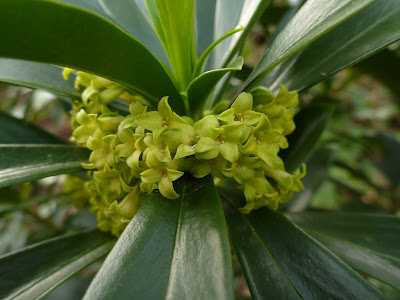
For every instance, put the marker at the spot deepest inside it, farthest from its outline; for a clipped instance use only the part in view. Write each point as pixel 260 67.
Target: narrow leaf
pixel 317 172
pixel 368 243
pixel 34 271
pixel 132 16
pixel 321 16
pixel 37 76
pixel 172 249
pixel 280 261
pixel 27 162
pixel 369 31
pixel 53 33
pixel 231 14
pixel 177 22
pixel 310 123
pixel 15 131
pixel 201 87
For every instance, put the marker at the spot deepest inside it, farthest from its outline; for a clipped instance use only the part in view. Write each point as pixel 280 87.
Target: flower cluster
pixel 148 150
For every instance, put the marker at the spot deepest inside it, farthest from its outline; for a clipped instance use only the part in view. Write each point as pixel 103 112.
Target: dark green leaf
pixel 360 36
pixel 34 271
pixel 280 261
pixel 201 87
pixel 177 24
pixel 27 162
pixel 172 249
pixel 230 14
pixel 14 131
pixel 310 123
pixel 368 243
pixel 314 19
pixel 53 33
pixel 317 172
pixel 133 17
pixel 37 76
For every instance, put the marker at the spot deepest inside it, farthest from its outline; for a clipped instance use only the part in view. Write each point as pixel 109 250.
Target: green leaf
pixel 310 123
pixel 231 14
pixel 15 131
pixel 177 22
pixel 133 17
pixel 317 172
pixel 172 249
pixel 27 162
pixel 320 16
pixel 369 31
pixel 201 87
pixel 37 76
pixel 368 243
pixel 53 33
pixel 280 261
pixel 34 271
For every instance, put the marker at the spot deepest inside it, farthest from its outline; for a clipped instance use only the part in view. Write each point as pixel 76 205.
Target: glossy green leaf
pixel 231 14
pixel 370 30
pixel 177 23
pixel 310 123
pixel 34 271
pixel 205 18
pixel 314 19
pixel 37 76
pixel 27 162
pixel 280 261
pixel 201 87
pixel 53 33
pixel 368 243
pixel 133 17
pixel 172 249
pixel 317 172
pixel 15 131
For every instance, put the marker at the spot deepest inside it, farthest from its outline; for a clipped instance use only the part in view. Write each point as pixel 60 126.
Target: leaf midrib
pixel 178 224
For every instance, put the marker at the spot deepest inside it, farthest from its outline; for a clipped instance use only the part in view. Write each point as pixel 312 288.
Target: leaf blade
pixel 104 50
pixel 306 269
pixel 167 249
pixel 201 87
pixel 37 76
pixel 15 131
pixel 321 17
pixel 27 162
pixel 48 264
pixel 310 123
pixel 369 31
pixel 369 243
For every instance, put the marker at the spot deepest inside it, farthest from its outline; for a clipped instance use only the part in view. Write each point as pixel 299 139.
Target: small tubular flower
pixel 148 150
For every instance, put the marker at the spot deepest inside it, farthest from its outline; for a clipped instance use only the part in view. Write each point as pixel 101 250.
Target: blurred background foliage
pixel 354 168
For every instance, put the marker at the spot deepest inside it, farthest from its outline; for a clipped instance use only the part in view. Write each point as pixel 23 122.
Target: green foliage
pixel 131 55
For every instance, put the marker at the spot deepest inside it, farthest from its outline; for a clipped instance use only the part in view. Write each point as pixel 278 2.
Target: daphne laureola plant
pixel 177 156
pixel 148 150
